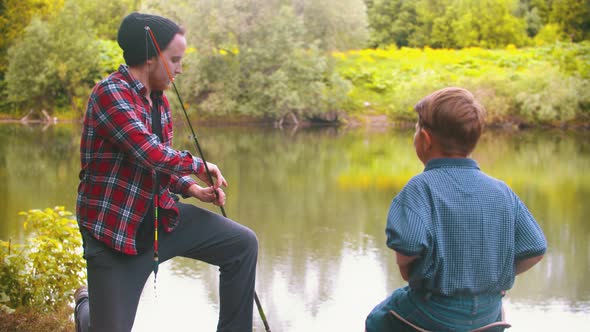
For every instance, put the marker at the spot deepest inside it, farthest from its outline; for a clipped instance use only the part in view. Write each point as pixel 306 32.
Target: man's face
pixel 173 54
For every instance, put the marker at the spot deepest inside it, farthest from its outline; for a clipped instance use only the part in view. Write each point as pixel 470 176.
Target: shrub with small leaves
pixel 44 272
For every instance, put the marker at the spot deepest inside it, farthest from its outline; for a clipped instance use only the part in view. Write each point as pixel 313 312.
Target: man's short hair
pixel 454 116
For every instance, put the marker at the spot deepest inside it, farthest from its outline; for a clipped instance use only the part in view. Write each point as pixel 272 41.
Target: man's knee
pixel 250 241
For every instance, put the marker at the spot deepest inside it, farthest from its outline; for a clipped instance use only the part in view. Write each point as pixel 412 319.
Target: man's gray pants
pixel 116 280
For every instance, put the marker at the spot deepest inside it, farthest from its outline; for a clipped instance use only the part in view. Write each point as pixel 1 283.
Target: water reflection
pixel 317 200
pixel 38 169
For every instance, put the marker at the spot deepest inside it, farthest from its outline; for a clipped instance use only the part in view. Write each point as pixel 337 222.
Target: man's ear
pixel 151 61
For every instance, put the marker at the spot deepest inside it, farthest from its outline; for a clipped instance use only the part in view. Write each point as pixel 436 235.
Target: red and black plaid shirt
pixel 119 157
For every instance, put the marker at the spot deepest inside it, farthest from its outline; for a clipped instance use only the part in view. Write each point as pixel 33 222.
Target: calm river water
pixel 317 200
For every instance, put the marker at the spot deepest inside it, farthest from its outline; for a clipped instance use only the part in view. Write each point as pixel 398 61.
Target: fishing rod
pixel 159 52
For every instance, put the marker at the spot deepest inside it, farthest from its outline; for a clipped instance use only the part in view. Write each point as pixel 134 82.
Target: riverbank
pixel 369 121
pixel 538 87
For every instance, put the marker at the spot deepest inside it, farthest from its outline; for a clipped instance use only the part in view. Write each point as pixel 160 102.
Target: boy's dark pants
pixel 115 280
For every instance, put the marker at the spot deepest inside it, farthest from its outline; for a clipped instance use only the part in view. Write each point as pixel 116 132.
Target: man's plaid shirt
pixel 119 157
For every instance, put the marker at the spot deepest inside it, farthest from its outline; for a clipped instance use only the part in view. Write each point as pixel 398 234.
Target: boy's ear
pixel 427 139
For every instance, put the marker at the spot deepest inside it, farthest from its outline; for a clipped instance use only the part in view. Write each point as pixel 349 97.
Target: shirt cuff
pixel 530 253
pixel 198 165
pixel 183 184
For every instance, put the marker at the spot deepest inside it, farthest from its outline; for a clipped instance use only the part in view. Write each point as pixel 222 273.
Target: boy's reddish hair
pixel 454 116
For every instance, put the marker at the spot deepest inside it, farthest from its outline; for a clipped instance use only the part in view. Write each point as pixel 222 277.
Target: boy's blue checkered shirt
pixel 466 227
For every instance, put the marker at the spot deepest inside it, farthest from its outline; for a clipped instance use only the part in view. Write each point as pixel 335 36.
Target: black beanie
pixel 132 36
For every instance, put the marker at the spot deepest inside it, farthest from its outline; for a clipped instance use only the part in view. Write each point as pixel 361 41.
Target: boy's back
pixel 463 225
pixel 460 237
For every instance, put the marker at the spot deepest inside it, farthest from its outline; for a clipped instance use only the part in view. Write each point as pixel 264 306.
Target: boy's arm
pixel 530 242
pixel 525 264
pixel 404 263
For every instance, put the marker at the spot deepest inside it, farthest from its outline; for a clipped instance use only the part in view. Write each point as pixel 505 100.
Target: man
pixel 129 167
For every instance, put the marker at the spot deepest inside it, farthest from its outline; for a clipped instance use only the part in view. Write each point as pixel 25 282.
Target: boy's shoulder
pixel 414 190
pixel 422 185
pixel 438 176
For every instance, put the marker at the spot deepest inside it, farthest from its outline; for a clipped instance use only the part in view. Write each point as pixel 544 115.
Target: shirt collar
pixel 136 84
pixel 451 162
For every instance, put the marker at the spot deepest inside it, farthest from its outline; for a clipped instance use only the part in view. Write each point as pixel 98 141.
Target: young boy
pixel 460 236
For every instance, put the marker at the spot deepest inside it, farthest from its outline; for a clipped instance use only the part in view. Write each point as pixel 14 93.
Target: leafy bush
pixel 552 98
pixel 43 273
pixel 549 34
pixel 543 85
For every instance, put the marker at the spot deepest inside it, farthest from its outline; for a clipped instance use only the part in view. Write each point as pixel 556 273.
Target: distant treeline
pixel 273 58
pixel 483 23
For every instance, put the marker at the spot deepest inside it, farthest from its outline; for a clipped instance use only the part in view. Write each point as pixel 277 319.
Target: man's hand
pixel 215 173
pixel 207 194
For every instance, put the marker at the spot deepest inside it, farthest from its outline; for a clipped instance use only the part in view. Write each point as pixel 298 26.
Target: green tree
pixel 55 63
pixel 573 16
pixel 15 15
pixel 288 77
pixel 429 13
pixel 30 72
pixel 336 24
pixel 448 23
pixel 485 23
pixel 445 26
pixel 531 13
pixel 75 55
pixel 106 16
pixel 543 8
pixel 391 22
pixel 549 34
pixel 498 25
pixel 253 58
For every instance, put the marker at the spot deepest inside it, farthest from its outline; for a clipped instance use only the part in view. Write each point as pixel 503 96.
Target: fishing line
pixel 196 141
pixel 155 190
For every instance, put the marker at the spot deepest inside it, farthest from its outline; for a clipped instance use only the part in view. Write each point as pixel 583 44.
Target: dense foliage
pixel 271 59
pixel 57 59
pixel 15 16
pixel 483 23
pixel 43 273
pixel 549 85
pixel 260 58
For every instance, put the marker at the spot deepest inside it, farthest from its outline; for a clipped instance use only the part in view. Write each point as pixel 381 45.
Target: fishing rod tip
pixel 146 28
